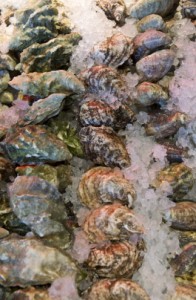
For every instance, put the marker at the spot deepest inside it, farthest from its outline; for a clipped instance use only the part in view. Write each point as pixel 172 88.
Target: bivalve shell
pixel 151 22
pixel 114 10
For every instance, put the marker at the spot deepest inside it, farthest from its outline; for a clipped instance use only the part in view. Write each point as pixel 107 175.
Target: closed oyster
pixel 4 80
pixel 182 216
pixel 175 154
pixel 31 293
pixel 105 185
pixel 44 84
pixel 116 260
pixel 114 51
pixel 114 10
pixel 186 237
pixel 151 22
pixel 7 62
pixel 184 292
pixel 121 289
pixel 103 146
pixel 112 222
pixel 148 93
pixel 154 66
pixel 188 9
pixel 6 169
pixel 34 144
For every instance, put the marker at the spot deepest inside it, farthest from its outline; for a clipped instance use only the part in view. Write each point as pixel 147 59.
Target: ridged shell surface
pixel 184 292
pixel 151 22
pixel 114 9
pixel 148 93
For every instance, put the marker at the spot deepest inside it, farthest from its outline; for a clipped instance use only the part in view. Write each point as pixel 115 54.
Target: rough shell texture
pixel 44 84
pixel 186 237
pixel 182 216
pixel 116 260
pixel 151 22
pixel 6 169
pixel 188 9
pixel 34 144
pixel 114 51
pixel 155 66
pixel 4 80
pixel 175 154
pixel 105 185
pixel 31 293
pixel 7 62
pixel 114 9
pixel 120 289
pixel 184 292
pixel 103 146
pixel 112 222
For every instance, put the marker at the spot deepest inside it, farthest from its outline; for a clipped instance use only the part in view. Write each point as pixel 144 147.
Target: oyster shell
pixel 121 289
pixel 184 292
pixel 112 222
pixel 4 80
pixel 103 146
pixel 43 84
pixel 114 51
pixel 105 185
pixel 116 260
pixel 34 144
pixel 151 22
pixel 6 169
pixel 156 65
pixel 7 62
pixel 182 216
pixel 114 10
pixel 31 293
pixel 188 9
pixel 186 237
pixel 175 154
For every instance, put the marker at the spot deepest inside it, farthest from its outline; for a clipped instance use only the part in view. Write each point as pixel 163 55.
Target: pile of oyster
pixel 51 119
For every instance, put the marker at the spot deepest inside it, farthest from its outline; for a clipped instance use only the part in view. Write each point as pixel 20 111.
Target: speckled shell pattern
pixel 114 9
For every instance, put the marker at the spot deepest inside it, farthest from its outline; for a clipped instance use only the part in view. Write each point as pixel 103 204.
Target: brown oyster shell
pixel 114 10
pixel 184 292
pixel 31 293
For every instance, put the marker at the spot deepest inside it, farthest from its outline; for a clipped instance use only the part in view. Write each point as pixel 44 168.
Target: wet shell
pixel 148 42
pixel 112 222
pixel 174 153
pixel 116 260
pixel 103 146
pixel 186 237
pixel 155 66
pixel 151 22
pixel 114 10
pixel 120 289
pixel 114 51
pixel 182 216
pixel 162 125
pixel 148 93
pixel 105 185
pixel 188 9
pixel 184 292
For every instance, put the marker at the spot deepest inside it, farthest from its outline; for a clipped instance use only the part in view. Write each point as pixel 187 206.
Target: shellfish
pixel 184 292
pixel 114 10
pixel 186 237
pixel 188 9
pixel 151 22
pixel 174 153
pixel 103 146
pixel 105 185
pixel 112 222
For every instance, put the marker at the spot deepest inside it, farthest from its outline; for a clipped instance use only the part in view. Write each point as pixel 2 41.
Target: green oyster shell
pixel 7 62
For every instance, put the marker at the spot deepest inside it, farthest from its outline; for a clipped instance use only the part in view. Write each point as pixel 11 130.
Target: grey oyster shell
pixel 148 93
pixel 151 22
pixel 184 292
pixel 53 55
pixel 114 10
pixel 38 204
pixel 7 62
pixel 29 262
pixel 4 80
pixel 44 84
pixel 188 9
pixel 148 42
pixel 102 185
pixel 156 65
pixel 43 110
pixel 114 51
pixel 147 7
pixel 116 260
pixel 103 146
pixel 182 216
pixel 112 222
pixel 34 144
pixel 121 289
pixel 31 293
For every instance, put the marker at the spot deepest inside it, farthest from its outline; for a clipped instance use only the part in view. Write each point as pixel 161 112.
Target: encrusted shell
pixel 116 260
pixel 114 10
pixel 182 216
pixel 121 289
pixel 188 9
pixel 114 51
pixel 103 146
pixel 156 65
pixel 105 185
pixel 151 22
pixel 112 222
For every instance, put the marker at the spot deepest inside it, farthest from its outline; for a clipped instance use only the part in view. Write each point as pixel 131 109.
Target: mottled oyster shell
pixel 6 169
pixel 114 10
pixel 151 22
pixel 121 289
pixel 105 185
pixel 34 144
pixel 175 154
pixel 155 66
pixel 116 260
pixel 112 222
pixel 31 293
pixel 44 84
pixel 186 237
pixel 103 146
pixel 4 80
pixel 182 216
pixel 114 51
pixel 188 9
pixel 184 292
pixel 7 62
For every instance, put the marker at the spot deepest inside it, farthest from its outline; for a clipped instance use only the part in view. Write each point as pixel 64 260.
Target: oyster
pixel 31 293
pixel 7 62
pixel 4 80
pixel 182 216
pixel 174 153
pixel 186 237
pixel 116 260
pixel 188 9
pixel 6 169
pixel 43 84
pixel 121 289
pixel 114 10
pixel 103 146
pixel 112 222
pixel 184 292
pixel 34 144
pixel 151 22
pixel 114 51
pixel 6 98
pixel 156 65
pixel 105 185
